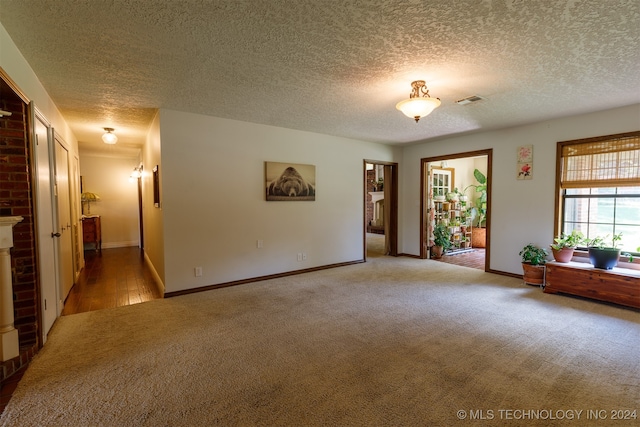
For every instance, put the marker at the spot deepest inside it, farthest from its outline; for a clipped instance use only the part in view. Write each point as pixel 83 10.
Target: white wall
pixel 153 220
pixel 521 211
pixel 108 177
pixel 214 208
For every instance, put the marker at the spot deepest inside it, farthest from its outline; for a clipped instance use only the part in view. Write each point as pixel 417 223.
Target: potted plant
pixel 478 213
pixel 534 259
pixel 564 245
pixel 603 256
pixel 441 240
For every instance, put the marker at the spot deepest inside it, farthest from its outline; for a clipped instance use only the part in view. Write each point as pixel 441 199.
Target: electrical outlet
pixel 197 271
pixel 259 244
pixel 304 256
pixel 299 256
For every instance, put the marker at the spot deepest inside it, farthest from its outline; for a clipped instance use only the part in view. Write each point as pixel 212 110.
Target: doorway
pixel 456 192
pixel 381 208
pixel 46 225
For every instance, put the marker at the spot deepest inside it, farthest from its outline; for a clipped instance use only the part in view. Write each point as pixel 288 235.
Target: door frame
pixel 424 216
pixel 392 233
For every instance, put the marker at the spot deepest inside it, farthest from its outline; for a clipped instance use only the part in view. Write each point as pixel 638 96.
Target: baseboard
pixel 111 245
pixel 156 277
pixel 260 278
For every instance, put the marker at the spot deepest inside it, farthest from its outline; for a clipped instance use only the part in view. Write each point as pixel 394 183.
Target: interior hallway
pixel 113 278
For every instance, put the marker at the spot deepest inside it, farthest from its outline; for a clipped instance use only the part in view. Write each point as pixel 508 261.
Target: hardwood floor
pixel 111 278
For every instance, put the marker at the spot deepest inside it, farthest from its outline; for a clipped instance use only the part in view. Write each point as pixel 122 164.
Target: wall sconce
pixel 137 173
pixel 419 104
pixel 108 137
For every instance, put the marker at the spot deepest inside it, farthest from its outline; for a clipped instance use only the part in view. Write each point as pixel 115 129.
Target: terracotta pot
pixel 533 274
pixel 436 252
pixel 563 255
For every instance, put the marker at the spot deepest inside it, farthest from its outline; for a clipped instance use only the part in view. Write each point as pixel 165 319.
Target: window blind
pixel 604 162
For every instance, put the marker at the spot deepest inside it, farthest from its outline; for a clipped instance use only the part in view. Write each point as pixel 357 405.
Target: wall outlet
pixel 299 256
pixel 259 244
pixel 304 256
pixel 197 271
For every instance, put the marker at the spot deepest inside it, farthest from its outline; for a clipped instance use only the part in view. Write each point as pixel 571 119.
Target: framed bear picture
pixel 289 182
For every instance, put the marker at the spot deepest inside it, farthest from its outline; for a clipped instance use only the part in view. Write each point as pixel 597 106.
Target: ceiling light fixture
pixel 108 137
pixel 420 103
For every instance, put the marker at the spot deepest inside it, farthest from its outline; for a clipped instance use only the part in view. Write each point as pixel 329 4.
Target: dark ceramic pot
pixel 604 258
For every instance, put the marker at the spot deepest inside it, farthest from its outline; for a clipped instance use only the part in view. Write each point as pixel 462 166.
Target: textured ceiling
pixel 333 67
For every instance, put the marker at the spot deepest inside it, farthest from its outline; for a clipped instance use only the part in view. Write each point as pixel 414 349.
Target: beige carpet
pixel 394 341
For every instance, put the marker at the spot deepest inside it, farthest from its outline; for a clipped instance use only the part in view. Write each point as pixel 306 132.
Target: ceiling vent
pixel 469 100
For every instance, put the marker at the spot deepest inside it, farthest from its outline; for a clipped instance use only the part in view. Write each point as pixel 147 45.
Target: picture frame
pixel 289 182
pixel 524 162
pixel 156 186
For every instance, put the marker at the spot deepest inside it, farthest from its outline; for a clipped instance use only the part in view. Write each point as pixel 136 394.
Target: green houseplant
pixel 441 240
pixel 564 245
pixel 480 208
pixel 602 255
pixel 534 259
pixel 478 213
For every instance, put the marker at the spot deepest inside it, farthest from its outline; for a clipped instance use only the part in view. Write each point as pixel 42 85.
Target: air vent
pixel 469 100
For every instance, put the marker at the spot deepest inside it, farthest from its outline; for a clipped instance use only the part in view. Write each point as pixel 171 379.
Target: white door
pixel 65 240
pixel 46 228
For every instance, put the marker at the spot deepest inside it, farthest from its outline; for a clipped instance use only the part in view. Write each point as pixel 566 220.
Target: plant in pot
pixel 564 245
pixel 441 240
pixel 478 213
pixel 534 259
pixel 603 256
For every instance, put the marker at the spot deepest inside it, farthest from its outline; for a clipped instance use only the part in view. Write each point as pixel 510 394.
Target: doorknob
pixel 55 235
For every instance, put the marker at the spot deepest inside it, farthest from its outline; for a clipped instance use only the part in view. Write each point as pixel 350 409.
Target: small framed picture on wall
pixel 524 162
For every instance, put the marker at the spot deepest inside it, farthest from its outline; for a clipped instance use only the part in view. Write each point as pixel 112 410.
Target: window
pixel 599 188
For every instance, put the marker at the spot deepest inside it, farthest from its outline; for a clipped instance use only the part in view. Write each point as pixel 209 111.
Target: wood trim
pixel 423 214
pixel 392 233
pixel 600 138
pixel 260 278
pixel 8 80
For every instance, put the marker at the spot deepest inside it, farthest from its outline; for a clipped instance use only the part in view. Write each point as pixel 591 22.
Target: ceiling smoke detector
pixel 469 100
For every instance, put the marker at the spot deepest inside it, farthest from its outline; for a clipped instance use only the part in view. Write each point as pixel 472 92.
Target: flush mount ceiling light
pixel 419 104
pixel 108 137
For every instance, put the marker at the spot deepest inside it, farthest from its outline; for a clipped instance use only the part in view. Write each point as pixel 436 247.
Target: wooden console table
pixel 620 285
pixel 91 231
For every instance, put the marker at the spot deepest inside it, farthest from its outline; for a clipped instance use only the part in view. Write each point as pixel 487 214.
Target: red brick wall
pixel 16 199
